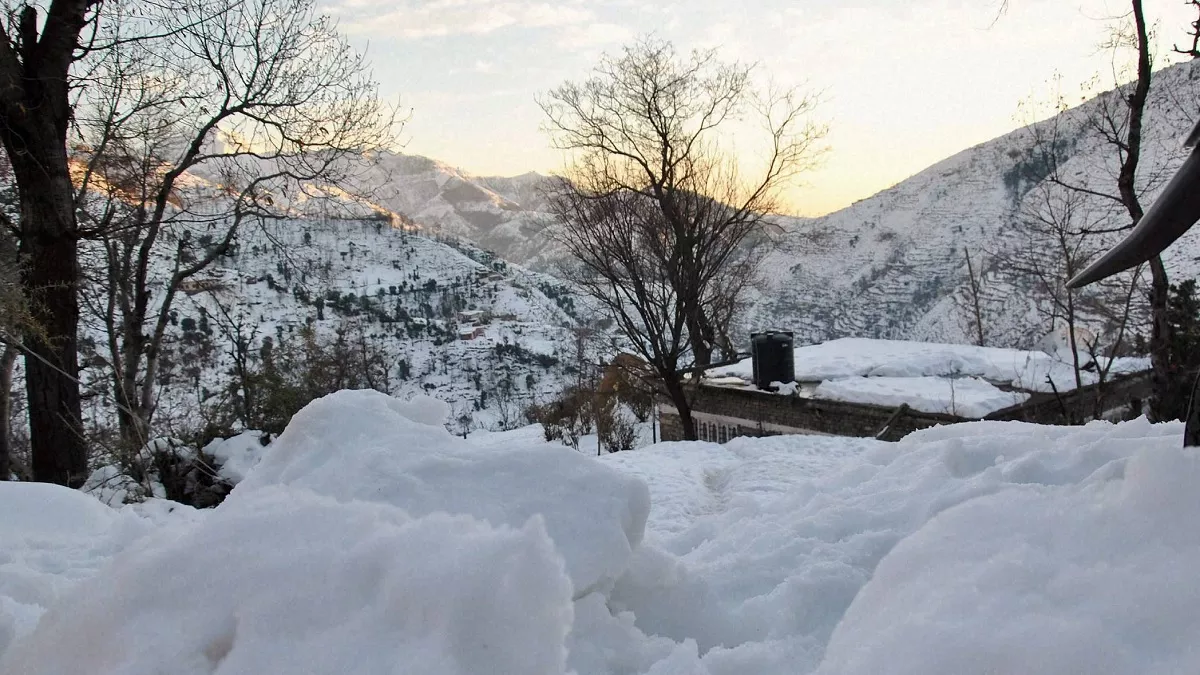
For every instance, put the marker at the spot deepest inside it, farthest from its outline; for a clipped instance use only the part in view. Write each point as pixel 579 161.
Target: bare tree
pixel 204 118
pixel 664 228
pixel 241 334
pixel 35 113
pixel 1116 118
pixel 970 300
pixel 1193 33
pixel 1121 128
pixel 610 237
pixel 1054 244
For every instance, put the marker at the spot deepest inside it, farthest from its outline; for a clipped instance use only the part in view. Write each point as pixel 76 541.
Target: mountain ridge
pixel 886 266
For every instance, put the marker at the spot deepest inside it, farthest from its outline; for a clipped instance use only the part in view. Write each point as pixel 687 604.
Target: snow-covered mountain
pixel 500 214
pixel 888 266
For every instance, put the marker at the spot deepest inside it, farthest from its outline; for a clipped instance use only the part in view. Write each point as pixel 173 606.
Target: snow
pixel 369 541
pixel 866 357
pixel 779 536
pixel 236 455
pixel 424 284
pixel 1096 578
pixel 369 589
pixel 369 446
pixel 50 538
pixel 892 265
pixel 964 397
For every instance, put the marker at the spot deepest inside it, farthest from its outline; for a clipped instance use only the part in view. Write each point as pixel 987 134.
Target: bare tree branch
pixel 665 230
pixel 200 119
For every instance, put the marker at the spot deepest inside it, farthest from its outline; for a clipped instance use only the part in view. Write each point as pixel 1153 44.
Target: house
pixel 472 332
pixel 472 316
pixel 888 388
pixel 194 286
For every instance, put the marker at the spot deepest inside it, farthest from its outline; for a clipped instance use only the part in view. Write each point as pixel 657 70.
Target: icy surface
pixel 961 396
pixel 864 357
pixel 972 548
pixel 369 446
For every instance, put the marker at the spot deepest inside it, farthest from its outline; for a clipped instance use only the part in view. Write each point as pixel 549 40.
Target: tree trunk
pixel 7 361
pixel 1161 376
pixel 679 399
pixel 55 413
pixel 976 308
pixel 1160 335
pixel 50 275
pixel 35 113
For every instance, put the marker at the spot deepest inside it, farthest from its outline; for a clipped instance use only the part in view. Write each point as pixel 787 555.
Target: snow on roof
pixel 930 377
pixel 964 397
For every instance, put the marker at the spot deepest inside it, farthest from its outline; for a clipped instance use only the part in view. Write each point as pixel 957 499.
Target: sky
pixel 903 83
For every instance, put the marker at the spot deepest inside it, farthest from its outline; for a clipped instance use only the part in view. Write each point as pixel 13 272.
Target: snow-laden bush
pixel 164 468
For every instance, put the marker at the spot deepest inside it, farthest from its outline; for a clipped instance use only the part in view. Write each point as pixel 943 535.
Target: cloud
pixel 441 18
pixel 582 36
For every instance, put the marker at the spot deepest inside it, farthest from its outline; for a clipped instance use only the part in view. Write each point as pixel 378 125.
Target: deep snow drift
pixel 370 541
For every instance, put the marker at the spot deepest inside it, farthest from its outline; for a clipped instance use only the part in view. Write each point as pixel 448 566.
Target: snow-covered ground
pixel 367 539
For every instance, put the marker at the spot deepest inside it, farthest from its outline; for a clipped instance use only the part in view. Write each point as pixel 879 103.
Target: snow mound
pixel 967 548
pixel 51 537
pixel 291 582
pixel 769 550
pixel 369 446
pixel 964 397
pixel 1099 578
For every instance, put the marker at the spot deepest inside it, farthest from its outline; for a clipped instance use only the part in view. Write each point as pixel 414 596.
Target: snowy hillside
pixel 369 540
pixel 503 215
pixel 452 321
pixel 888 265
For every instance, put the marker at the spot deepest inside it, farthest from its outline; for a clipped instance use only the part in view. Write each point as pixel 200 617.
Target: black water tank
pixel 771 352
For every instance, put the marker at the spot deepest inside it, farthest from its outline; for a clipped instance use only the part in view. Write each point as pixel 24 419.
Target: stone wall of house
pixel 755 413
pixel 1079 405
pixel 669 427
pixel 759 414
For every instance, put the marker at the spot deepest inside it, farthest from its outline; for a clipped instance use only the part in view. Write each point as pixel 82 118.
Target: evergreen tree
pixel 1183 359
